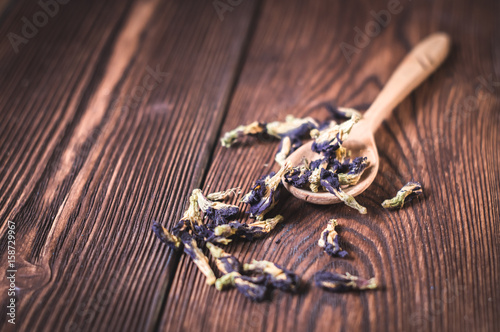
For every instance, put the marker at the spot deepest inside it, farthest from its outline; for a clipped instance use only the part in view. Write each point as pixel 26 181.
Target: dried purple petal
pixel 265 193
pixel 225 262
pixel 218 212
pixel 277 276
pixel 298 176
pixel 404 195
pixel 328 141
pixel 356 169
pixel 191 248
pixel 336 282
pixel 329 240
pixel 330 181
pixel 250 231
pixel 253 288
pixel 165 236
pixel 292 126
pixel 254 129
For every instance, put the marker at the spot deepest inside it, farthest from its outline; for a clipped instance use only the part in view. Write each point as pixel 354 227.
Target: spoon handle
pixel 413 70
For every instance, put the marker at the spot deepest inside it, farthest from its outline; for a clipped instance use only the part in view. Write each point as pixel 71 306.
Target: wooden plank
pixel 108 117
pixel 438 258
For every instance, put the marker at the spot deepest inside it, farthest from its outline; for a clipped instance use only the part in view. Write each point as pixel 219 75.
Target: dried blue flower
pixel 191 248
pixel 265 193
pixel 329 240
pixel 292 127
pixel 254 129
pixel 356 169
pixel 253 288
pixel 165 236
pixel 336 282
pixel 277 276
pixel 405 194
pixel 186 230
pixel 250 231
pixel 330 140
pixel 298 176
pixel 218 212
pixel 330 181
pixel 225 262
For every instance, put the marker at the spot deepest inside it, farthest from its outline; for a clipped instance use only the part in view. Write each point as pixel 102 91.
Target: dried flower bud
pixel 329 240
pixel 192 215
pixel 253 288
pixel 336 282
pixel 250 231
pixel 218 212
pixel 277 276
pixel 330 181
pixel 198 257
pixel 328 141
pixel 254 129
pixel 225 262
pixel 222 195
pixel 298 176
pixel 405 194
pixel 165 236
pixel 356 169
pixel 295 127
pixel 264 194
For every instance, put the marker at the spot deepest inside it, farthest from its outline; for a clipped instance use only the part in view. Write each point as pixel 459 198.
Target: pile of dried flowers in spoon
pixel 210 223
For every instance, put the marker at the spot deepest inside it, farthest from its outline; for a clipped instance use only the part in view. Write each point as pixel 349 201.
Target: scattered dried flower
pixel 165 236
pixel 265 193
pixel 254 129
pixel 292 127
pixel 330 181
pixel 356 169
pixel 250 231
pixel 329 240
pixel 277 276
pixel 218 212
pixel 336 282
pixel 253 288
pixel 404 195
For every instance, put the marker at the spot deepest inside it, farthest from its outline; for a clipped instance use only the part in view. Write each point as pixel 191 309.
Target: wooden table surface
pixel 111 113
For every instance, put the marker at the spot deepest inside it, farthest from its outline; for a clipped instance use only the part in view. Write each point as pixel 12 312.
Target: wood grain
pixel 91 152
pixel 437 259
pixel 95 145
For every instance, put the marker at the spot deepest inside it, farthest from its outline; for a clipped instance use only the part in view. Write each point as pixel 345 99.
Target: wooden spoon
pixel 424 59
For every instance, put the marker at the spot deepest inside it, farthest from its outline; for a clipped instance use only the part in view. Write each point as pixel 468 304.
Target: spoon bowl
pixel 362 144
pixel 422 61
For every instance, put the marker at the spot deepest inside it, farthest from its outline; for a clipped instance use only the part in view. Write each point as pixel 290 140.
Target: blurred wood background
pixel 111 112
